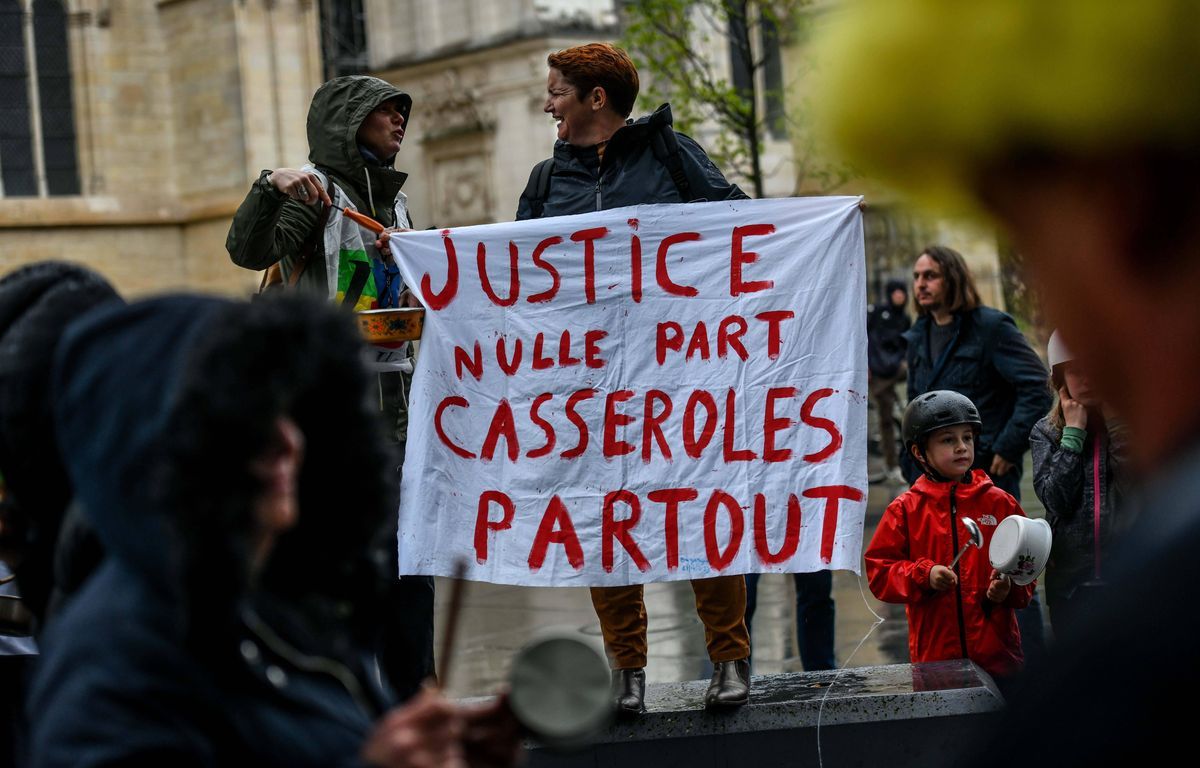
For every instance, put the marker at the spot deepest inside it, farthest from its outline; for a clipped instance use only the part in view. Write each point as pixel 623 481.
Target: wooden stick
pixel 448 636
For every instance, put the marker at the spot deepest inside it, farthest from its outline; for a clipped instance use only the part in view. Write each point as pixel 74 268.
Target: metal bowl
pixel 1021 548
pixel 560 689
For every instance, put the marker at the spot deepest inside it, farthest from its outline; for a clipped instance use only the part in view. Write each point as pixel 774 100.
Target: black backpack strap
pixel 537 189
pixel 358 281
pixel 314 240
pixel 665 145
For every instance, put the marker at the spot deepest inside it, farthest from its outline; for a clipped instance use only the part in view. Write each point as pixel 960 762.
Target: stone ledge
pixel 105 211
pixel 901 714
pixel 794 700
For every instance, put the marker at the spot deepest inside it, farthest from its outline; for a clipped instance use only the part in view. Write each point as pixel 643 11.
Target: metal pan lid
pixel 560 689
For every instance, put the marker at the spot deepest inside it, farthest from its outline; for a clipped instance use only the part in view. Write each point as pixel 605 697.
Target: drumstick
pixel 456 599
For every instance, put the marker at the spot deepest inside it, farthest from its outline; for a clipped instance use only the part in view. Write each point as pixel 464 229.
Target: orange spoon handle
pixel 364 220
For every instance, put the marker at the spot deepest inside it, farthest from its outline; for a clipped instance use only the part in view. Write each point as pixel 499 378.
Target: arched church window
pixel 38 154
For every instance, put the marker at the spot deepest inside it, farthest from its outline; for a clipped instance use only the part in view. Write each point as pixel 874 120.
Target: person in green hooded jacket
pixel 355 127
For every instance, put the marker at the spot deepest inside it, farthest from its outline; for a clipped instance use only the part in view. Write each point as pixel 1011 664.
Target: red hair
pixel 599 65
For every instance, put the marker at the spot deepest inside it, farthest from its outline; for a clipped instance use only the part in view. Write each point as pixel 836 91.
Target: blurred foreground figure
pixel 37 303
pixel 236 476
pixel 45 543
pixel 1078 128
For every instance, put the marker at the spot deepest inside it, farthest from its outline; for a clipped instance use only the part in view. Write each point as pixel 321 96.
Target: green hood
pixel 338 108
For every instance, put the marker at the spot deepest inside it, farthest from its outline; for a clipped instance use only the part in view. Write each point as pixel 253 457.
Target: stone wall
pixel 476 130
pixel 477 74
pixel 405 32
pixel 178 104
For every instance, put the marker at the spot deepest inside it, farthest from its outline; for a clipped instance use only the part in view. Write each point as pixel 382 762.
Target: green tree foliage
pixel 680 47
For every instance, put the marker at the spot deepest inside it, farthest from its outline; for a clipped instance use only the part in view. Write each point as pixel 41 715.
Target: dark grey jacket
pixel 989 361
pixel 1066 484
pixel 629 175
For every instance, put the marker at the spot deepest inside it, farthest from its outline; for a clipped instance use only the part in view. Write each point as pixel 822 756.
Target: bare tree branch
pixel 671 40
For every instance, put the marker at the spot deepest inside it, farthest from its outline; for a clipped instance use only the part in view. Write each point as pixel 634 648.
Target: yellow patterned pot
pixel 384 326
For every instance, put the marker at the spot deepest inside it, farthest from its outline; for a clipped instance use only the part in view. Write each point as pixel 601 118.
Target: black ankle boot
pixel 629 689
pixel 730 686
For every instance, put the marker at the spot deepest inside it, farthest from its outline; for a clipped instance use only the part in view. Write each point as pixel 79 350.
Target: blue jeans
pixel 814 616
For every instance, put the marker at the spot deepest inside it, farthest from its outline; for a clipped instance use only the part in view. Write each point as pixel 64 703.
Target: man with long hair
pixel 961 345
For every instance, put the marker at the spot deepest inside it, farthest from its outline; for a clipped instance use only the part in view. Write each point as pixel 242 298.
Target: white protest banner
pixel 645 394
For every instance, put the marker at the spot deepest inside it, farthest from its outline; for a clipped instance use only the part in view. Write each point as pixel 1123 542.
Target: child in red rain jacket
pixel 967 611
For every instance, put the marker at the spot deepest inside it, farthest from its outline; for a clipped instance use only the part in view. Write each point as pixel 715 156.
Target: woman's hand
pixel 492 736
pixel 425 732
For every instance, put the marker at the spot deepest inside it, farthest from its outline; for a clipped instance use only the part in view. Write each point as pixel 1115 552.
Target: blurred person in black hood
pixel 45 548
pixel 886 350
pixel 236 476
pixel 37 303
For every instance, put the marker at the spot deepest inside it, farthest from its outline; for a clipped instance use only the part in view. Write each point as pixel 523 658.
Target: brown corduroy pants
pixel 720 603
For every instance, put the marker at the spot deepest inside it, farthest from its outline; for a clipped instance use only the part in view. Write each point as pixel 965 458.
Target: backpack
pixel 663 143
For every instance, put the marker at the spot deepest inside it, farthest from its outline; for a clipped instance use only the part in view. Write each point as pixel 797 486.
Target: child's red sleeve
pixel 893 577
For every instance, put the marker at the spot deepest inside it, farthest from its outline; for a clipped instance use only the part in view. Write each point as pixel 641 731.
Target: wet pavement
pixel 497 620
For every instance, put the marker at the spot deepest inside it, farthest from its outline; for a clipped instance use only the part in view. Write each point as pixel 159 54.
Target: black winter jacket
pixel 1066 483
pixel 886 325
pixel 630 173
pixel 989 361
pixel 37 304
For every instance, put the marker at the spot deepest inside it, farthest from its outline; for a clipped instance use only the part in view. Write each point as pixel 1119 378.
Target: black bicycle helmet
pixel 934 410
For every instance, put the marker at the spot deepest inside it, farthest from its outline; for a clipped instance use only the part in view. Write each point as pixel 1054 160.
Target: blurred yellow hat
pixel 923 94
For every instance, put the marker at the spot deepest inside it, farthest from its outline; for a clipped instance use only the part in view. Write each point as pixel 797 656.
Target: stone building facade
pixel 477 73
pixel 176 104
pixel 172 107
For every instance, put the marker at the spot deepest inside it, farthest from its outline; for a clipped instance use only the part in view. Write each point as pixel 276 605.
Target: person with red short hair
pixel 604 160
